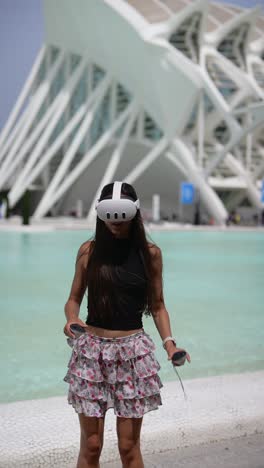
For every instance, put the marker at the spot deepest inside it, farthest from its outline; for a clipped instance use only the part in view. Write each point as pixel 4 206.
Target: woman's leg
pixel 91 441
pixel 128 433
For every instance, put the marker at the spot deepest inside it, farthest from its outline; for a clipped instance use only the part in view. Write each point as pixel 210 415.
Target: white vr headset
pixel 117 209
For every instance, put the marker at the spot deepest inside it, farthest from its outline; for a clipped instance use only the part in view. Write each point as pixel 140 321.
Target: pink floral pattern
pixel 119 373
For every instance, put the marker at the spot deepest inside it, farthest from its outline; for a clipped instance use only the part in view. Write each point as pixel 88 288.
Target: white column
pixel 200 129
pixel 45 175
pixel 91 155
pixel 79 209
pixel 47 200
pixel 11 155
pixel 113 163
pixel 156 208
pixel 257 111
pixel 89 90
pixel 37 101
pixel 113 101
pixel 25 149
pixel 146 162
pixel 249 142
pixel 207 194
pixel 260 169
pixel 23 95
pixel 140 125
pixel 238 169
pixel 14 133
pixel 16 190
pixel 67 78
pixel 62 101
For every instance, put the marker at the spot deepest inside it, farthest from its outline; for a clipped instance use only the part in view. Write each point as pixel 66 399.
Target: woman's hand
pixel 171 349
pixel 66 329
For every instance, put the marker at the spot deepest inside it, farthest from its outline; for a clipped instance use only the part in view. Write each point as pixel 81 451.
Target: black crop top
pixel 129 289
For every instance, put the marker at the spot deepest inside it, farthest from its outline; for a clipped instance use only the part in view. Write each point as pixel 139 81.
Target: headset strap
pixel 117 191
pixel 117 195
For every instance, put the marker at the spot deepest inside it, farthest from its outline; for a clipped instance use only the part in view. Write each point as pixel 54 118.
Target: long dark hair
pixel 101 271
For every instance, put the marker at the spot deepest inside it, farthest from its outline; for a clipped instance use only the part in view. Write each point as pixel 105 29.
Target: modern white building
pixel 147 91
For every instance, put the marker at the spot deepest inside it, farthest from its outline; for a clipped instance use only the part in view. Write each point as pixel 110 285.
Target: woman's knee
pixel 128 432
pixel 91 446
pixel 92 431
pixel 128 448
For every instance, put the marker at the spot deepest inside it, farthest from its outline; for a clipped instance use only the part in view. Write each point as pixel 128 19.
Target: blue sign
pixel 262 192
pixel 187 193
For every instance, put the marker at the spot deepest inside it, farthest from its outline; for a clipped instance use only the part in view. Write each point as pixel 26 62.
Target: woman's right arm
pixel 72 306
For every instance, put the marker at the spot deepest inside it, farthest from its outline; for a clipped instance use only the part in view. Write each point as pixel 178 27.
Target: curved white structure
pixel 146 91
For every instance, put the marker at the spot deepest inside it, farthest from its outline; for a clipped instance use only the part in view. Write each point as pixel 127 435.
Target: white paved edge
pixel 45 433
pixel 67 223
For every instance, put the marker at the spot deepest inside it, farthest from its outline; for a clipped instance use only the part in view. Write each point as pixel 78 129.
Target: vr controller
pixel 178 357
pixel 77 329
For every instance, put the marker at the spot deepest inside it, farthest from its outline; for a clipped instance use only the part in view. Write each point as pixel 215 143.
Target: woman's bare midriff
pixel 111 333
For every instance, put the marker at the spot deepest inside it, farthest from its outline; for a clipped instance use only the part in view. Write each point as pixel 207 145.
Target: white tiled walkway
pixel 45 433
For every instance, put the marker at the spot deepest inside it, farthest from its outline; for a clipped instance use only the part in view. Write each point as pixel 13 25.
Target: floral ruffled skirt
pixel 119 373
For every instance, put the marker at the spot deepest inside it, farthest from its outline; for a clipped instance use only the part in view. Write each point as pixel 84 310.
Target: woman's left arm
pixel 159 311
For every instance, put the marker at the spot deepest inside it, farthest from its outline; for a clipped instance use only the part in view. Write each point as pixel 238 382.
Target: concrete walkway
pixel 242 452
pixel 45 433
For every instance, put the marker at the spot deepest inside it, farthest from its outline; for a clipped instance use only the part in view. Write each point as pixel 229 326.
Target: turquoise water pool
pixel 214 292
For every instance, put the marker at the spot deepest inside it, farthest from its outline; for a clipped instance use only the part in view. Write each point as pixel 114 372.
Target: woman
pixel 113 362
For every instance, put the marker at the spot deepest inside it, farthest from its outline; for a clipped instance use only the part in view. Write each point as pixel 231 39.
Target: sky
pixel 21 36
